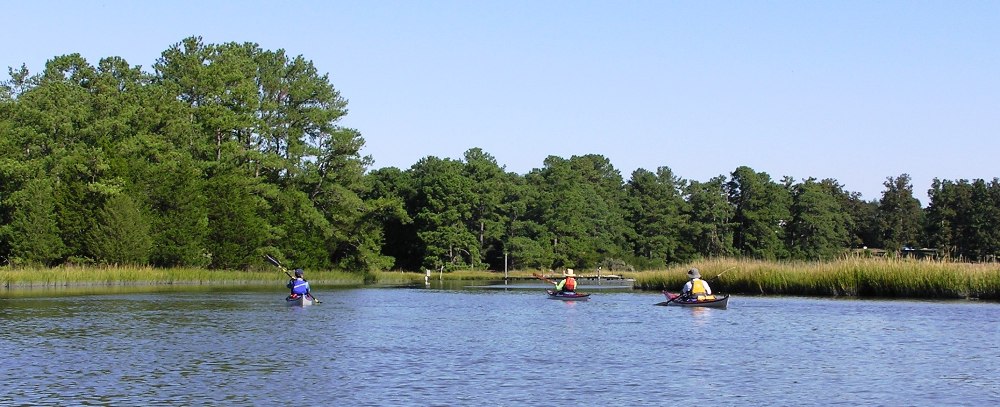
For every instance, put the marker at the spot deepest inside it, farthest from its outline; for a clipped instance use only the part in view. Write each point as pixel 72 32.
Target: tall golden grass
pixel 78 276
pixel 132 275
pixel 848 277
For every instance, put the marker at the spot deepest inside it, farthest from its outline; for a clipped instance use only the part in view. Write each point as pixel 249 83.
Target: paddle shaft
pixel 540 277
pixel 275 262
pixel 723 272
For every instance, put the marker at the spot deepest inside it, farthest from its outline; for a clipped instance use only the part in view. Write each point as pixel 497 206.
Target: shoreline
pixel 852 278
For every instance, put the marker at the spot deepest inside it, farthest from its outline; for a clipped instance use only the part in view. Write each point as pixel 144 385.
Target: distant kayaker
pixel 568 283
pixel 696 288
pixel 298 285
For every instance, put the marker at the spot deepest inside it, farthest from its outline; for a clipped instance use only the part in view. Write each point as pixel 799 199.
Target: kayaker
pixel 696 288
pixel 568 283
pixel 298 285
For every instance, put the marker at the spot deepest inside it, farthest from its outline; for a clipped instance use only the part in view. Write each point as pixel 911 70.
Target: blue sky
pixel 853 90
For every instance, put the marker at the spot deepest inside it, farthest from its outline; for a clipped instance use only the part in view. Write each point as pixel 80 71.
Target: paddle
pixel 276 263
pixel 539 276
pixel 723 272
pixel 671 298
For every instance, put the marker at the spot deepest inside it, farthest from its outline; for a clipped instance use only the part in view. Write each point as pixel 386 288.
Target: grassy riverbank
pixel 900 278
pixel 140 276
pixel 850 277
pixel 82 276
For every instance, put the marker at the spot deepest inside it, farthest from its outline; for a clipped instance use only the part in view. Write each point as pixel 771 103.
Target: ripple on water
pixel 501 347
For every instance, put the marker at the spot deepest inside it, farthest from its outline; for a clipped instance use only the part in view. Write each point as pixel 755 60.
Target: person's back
pixel 568 284
pixel 298 284
pixel 696 288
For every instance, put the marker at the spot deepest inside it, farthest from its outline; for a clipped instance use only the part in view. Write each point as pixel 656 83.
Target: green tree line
pixel 225 152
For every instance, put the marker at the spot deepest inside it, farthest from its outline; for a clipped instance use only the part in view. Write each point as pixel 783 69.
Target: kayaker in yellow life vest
pixel 568 284
pixel 696 288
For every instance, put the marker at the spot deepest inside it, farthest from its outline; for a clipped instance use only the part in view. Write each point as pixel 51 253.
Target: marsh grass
pixel 849 277
pixel 81 276
pixel 131 275
pixel 405 277
pixel 856 277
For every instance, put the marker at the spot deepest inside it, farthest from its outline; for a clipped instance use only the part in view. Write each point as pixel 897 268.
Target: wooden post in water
pixel 504 268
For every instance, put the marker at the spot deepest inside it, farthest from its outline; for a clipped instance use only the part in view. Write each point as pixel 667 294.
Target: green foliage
pixel 526 242
pixel 761 213
pixel 818 229
pixel 711 228
pixel 236 220
pixel 530 253
pixel 443 196
pixel 899 214
pixel 487 222
pixel 863 225
pixel 658 214
pixel 581 202
pixel 122 233
pixel 390 220
pixel 33 233
pixel 963 218
pixel 175 193
pixel 300 231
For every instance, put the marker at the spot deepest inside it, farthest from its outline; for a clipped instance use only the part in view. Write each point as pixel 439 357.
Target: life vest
pixel 570 284
pixel 299 286
pixel 697 287
pixel 698 291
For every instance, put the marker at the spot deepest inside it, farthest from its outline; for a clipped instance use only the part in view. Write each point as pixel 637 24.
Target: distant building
pixel 906 252
pixel 923 253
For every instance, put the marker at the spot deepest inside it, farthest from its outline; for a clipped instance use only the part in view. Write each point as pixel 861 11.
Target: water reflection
pixel 702 316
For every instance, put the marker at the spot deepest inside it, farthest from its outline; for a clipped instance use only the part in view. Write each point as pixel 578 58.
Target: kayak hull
pixel 720 301
pixel 300 301
pixel 568 297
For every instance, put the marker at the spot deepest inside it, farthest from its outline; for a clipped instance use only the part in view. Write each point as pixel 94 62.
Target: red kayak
pixel 718 301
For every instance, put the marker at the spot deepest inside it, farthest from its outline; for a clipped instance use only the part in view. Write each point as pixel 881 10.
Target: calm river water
pixel 489 346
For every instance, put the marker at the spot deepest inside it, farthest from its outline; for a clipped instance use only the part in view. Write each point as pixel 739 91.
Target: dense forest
pixel 225 152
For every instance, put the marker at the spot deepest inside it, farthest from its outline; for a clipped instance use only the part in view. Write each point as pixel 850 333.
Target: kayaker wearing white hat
pixel 696 288
pixel 568 283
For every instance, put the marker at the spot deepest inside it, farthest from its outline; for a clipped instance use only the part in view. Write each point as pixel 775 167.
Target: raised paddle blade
pixel 274 261
pixel 670 297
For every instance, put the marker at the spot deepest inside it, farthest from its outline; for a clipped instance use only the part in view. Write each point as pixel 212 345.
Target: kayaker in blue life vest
pixel 298 285
pixel 696 288
pixel 568 283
